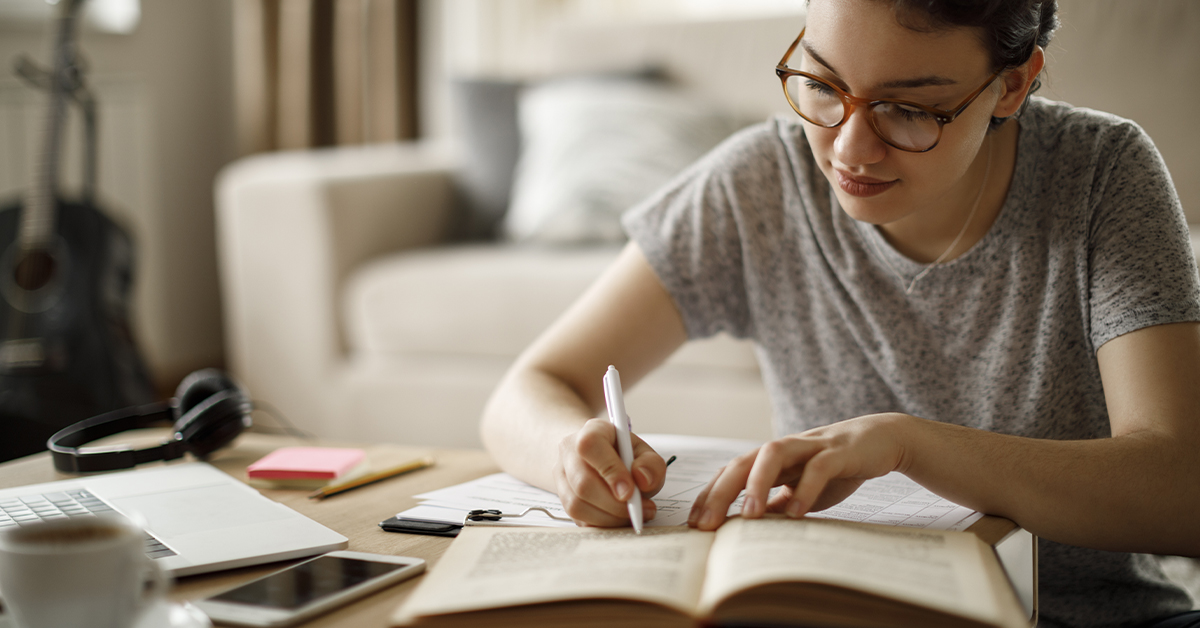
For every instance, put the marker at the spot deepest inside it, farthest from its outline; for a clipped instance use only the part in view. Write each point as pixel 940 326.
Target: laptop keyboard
pixel 27 509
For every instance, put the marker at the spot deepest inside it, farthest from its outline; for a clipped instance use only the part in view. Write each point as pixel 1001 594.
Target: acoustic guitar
pixel 67 350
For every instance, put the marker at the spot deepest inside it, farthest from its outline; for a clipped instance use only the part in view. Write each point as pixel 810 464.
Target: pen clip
pixel 614 398
pixel 609 404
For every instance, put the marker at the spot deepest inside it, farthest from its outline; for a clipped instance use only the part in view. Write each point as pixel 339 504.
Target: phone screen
pixel 307 582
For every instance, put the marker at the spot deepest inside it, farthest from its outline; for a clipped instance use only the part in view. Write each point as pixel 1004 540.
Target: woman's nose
pixel 856 143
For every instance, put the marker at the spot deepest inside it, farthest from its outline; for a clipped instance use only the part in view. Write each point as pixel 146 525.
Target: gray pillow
pixel 486 112
pixel 592 148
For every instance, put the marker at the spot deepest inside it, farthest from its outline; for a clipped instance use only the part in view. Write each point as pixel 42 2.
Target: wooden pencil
pixel 408 467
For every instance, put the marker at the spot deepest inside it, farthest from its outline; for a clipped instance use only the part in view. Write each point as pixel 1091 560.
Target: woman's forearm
pixel 626 318
pixel 527 417
pixel 1135 492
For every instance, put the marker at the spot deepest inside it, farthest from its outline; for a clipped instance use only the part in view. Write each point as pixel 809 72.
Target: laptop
pixel 197 518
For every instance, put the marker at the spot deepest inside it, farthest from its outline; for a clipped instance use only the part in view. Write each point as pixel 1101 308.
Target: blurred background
pixel 183 88
pixel 299 101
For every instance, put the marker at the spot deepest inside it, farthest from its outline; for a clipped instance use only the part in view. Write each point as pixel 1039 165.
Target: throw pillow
pixel 592 148
pixel 487 114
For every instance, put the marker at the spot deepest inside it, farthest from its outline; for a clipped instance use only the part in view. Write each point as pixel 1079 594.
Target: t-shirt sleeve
pixel 1142 271
pixel 693 232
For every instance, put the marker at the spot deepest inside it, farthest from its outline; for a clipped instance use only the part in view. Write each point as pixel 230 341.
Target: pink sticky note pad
pixel 293 463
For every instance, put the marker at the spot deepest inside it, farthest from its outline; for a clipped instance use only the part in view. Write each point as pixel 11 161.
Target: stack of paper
pixel 499 491
pixel 893 499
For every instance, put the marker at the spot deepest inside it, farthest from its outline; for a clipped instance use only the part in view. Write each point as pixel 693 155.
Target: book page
pixel 489 567
pixel 937 569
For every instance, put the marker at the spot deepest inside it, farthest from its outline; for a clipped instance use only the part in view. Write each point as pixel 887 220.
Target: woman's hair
pixel 1009 29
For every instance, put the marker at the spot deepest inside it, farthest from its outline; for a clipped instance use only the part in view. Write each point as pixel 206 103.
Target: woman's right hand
pixel 594 484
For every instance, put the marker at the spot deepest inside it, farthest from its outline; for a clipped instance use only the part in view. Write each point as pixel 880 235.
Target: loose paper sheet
pixel 893 499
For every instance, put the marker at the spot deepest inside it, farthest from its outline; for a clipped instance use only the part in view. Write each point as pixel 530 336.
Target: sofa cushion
pixel 481 299
pixel 485 300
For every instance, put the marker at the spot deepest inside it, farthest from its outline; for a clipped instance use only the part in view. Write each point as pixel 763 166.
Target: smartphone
pixel 310 588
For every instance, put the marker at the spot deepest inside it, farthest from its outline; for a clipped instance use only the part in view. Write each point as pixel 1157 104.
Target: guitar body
pixel 67 351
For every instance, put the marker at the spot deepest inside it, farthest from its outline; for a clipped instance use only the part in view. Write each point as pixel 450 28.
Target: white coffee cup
pixel 82 571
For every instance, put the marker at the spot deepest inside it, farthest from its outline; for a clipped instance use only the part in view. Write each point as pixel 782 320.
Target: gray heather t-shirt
pixel 1091 243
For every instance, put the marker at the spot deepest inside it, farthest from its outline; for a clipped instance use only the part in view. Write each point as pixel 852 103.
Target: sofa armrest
pixel 290 227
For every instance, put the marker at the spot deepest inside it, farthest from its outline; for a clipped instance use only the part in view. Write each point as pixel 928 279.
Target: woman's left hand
pixel 817 469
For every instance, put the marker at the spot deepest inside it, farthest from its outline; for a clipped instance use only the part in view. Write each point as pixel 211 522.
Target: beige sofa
pixel 346 308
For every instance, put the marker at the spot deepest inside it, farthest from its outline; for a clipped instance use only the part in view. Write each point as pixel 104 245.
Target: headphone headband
pixel 64 445
pixel 209 411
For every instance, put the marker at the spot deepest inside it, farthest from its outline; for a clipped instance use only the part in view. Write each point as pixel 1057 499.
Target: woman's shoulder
pixel 1070 131
pixel 1096 174
pixel 1086 156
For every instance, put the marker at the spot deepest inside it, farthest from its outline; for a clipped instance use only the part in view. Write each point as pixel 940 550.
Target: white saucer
pixel 170 615
pixel 162 615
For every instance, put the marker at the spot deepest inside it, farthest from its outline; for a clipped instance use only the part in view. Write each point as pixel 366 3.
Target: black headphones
pixel 209 410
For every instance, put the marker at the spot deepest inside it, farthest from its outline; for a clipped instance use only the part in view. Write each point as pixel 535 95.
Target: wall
pixel 164 97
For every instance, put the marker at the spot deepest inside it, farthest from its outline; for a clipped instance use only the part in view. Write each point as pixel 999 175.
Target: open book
pixel 764 571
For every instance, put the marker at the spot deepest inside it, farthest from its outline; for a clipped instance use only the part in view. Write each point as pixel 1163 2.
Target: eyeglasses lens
pixel 904 127
pixel 815 100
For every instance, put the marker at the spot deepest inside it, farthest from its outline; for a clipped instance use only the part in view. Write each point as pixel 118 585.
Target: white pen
pixel 615 400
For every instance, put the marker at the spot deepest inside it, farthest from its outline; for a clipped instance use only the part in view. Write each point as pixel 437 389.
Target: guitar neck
pixel 37 219
pixel 38 216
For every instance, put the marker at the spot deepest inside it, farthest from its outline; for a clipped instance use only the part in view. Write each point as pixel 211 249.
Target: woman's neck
pixel 925 236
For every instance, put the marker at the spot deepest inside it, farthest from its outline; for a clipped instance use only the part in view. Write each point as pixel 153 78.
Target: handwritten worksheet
pixel 893 499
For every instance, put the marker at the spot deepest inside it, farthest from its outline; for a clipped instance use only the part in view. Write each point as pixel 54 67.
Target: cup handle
pixel 154 586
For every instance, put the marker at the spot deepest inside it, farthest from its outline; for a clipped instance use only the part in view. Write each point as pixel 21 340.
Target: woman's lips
pixel 862 186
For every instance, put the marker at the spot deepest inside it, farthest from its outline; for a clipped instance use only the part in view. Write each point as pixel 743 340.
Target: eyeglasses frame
pixel 851 102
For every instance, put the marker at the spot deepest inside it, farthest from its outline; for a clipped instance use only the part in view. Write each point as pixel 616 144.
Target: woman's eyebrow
pixel 909 83
pixel 816 57
pixel 920 81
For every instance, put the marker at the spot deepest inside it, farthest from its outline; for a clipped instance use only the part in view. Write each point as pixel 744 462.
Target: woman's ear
pixel 1017 83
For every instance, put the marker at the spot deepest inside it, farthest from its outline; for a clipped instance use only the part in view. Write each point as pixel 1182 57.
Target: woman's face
pixel 859 46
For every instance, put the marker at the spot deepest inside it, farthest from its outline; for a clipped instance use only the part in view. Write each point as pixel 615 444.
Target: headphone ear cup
pixel 212 411
pixel 200 385
pixel 213 423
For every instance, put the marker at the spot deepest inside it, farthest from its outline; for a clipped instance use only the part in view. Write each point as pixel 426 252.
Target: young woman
pixel 993 295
